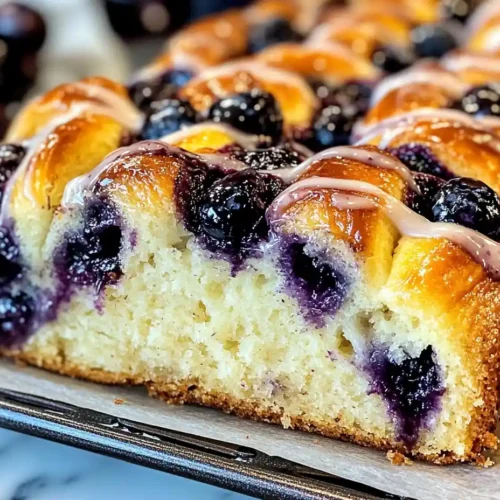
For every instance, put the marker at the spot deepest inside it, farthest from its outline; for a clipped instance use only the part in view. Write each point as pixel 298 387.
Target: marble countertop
pixel 35 469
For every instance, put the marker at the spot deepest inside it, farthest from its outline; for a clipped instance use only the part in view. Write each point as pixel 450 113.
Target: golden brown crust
pixel 190 392
pixel 318 62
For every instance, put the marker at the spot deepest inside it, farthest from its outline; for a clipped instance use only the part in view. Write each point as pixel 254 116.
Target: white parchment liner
pixel 419 481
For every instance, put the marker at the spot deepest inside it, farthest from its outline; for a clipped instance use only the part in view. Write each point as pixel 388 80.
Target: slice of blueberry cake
pixel 182 235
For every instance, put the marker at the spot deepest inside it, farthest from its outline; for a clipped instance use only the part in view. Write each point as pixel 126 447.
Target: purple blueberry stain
pixel 317 281
pixel 10 258
pixel 17 310
pixel 411 387
pixel 90 255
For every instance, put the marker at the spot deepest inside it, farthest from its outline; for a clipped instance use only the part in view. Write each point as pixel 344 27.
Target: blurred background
pixel 47 42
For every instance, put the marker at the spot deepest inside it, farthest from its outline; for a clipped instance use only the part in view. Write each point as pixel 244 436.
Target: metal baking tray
pixel 225 465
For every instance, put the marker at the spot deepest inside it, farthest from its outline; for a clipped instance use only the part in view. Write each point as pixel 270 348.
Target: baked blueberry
pixel 392 59
pixel 423 201
pixel 232 214
pixel 412 388
pixel 270 158
pixel 459 10
pixel 270 32
pixel 322 89
pixel 481 101
pixel 470 203
pixel 16 314
pixel 255 112
pixel 91 254
pixel 144 92
pixel 11 156
pixel 314 279
pixel 420 158
pixel 166 117
pixel 354 94
pixel 332 126
pixel 434 40
pixel 10 268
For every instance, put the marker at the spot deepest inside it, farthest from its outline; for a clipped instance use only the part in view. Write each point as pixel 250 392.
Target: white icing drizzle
pixel 261 71
pixel 32 147
pixel 460 61
pixel 248 141
pixel 481 15
pixel 114 105
pixel 446 80
pixel 372 158
pixel 348 195
pixel 75 189
pixel 492 40
pixel 388 129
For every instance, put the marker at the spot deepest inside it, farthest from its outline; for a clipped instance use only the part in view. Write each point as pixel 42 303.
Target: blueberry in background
pixel 11 156
pixel 139 18
pixel 436 39
pixel 353 93
pixel 459 10
pixel 481 101
pixel 145 92
pixel 256 112
pixel 392 59
pixel 168 116
pixel 270 32
pixel 332 126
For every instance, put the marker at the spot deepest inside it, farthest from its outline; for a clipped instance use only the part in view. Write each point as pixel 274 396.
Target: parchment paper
pixel 421 481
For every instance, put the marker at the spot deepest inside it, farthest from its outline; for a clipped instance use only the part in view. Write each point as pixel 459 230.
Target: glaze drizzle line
pixel 352 195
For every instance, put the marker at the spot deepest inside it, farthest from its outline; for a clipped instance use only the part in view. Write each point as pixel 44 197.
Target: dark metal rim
pixel 240 469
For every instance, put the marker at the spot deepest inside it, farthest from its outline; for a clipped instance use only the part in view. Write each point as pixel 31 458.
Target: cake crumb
pixel 397 458
pixel 119 401
pixel 484 462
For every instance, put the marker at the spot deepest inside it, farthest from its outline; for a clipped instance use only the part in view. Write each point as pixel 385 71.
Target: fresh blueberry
pixel 470 203
pixel 168 116
pixel 422 201
pixel 16 313
pixel 11 156
pixel 273 31
pixel 412 388
pixel 255 112
pixel 145 92
pixel 481 101
pixel 232 214
pixel 392 59
pixel 434 40
pixel 270 159
pixel 91 255
pixel 420 158
pixel 10 268
pixel 332 127
pixel 459 10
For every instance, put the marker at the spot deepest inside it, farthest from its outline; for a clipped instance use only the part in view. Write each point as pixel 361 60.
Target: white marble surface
pixel 35 469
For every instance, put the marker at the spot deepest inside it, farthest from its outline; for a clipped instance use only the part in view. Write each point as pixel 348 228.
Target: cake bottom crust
pixel 190 392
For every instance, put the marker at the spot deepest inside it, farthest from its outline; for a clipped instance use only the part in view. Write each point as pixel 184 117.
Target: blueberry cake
pixel 255 224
